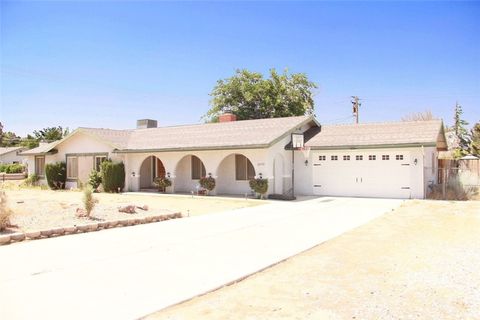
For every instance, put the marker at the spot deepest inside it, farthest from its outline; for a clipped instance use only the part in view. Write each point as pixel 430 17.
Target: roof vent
pixel 146 123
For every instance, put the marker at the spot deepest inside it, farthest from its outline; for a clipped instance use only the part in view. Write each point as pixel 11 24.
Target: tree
pixel 475 144
pixel 29 142
pixel 460 132
pixel 1 133
pixel 10 139
pixel 419 116
pixel 249 96
pixel 51 134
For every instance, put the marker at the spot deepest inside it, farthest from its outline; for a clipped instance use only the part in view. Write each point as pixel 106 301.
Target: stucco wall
pixel 12 157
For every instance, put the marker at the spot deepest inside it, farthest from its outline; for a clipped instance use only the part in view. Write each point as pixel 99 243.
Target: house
pixel 11 155
pixel 395 159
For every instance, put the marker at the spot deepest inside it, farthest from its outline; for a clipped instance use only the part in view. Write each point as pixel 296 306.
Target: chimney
pixel 227 117
pixel 146 123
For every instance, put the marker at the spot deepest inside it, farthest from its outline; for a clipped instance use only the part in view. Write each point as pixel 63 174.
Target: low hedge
pixel 12 168
pixel 113 176
pixel 56 174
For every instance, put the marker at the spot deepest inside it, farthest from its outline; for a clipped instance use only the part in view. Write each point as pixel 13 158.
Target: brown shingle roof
pixel 377 134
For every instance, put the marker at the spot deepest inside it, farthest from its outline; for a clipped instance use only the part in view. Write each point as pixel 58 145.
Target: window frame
pixel 385 157
pixel 346 157
pixel 334 158
pixel 322 158
pixel 95 157
pixel 399 157
pixel 69 177
pixel 359 157
pixel 372 157
pixel 248 165
pixel 201 168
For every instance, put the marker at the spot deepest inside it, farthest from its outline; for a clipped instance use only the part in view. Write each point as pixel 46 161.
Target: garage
pixel 362 174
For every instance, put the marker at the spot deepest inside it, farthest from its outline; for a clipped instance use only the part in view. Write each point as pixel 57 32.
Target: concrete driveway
pixel 130 272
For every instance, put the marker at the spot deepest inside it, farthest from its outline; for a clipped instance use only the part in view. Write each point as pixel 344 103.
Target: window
pixel 40 166
pixel 72 167
pixel 334 158
pixel 399 157
pixel 322 158
pixel 243 168
pixel 372 157
pixel 385 157
pixel 198 169
pixel 346 158
pixel 98 162
pixel 358 157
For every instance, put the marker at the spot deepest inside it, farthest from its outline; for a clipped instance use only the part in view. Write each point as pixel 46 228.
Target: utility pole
pixel 356 105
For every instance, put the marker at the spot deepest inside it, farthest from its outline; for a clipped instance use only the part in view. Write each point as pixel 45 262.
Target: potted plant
pixel 162 183
pixel 260 186
pixel 208 183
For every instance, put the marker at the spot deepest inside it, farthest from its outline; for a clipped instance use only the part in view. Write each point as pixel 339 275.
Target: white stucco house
pixel 395 159
pixel 11 154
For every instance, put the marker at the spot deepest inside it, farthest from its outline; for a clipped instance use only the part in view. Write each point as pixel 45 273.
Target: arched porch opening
pixel 150 168
pixel 188 172
pixel 233 175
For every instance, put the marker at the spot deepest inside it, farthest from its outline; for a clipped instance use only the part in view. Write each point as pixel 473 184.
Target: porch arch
pixel 188 171
pixel 233 174
pixel 150 168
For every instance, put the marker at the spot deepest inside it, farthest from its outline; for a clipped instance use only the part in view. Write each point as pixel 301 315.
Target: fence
pixel 453 180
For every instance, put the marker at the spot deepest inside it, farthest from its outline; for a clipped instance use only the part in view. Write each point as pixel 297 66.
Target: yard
pixel 420 261
pixel 37 209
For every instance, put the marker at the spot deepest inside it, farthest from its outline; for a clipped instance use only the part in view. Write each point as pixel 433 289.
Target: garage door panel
pixel 366 178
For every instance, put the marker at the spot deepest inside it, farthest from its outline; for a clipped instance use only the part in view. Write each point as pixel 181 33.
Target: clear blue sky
pixel 106 64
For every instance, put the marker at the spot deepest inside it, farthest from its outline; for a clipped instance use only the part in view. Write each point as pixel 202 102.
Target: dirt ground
pixel 37 209
pixel 421 261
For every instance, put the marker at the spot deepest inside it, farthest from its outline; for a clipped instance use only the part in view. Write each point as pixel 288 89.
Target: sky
pixel 107 64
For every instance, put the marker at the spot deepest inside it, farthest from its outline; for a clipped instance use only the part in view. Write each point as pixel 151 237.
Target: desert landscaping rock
pixel 93 227
pixel 82 228
pixel 113 224
pixel 4 239
pixel 46 233
pixel 58 231
pixel 19 236
pixel 70 229
pixel 32 235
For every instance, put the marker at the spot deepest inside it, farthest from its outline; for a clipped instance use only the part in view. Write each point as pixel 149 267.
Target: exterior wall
pixel 82 146
pixel 12 157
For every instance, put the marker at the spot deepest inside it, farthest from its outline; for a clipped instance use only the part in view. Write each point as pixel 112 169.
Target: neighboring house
pixel 373 160
pixel 11 155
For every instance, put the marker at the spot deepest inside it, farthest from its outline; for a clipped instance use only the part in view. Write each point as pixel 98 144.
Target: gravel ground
pixel 37 209
pixel 421 261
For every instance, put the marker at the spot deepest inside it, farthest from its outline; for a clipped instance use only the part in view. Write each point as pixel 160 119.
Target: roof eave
pixel 375 146
pixel 234 147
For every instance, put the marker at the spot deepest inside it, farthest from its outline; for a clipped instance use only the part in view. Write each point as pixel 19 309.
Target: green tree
pixel 249 96
pixel 29 142
pixel 460 132
pixel 1 133
pixel 10 139
pixel 475 144
pixel 51 134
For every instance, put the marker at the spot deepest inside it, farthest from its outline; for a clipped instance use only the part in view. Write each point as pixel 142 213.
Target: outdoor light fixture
pixel 209 174
pixel 260 175
pixel 306 162
pixel 168 174
pixel 415 161
pixel 133 173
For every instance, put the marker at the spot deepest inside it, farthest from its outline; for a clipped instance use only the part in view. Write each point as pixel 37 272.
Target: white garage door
pixel 362 174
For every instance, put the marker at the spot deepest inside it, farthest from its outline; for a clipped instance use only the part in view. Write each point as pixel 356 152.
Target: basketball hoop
pixel 305 151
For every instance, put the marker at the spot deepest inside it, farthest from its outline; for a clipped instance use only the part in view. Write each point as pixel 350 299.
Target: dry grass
pixel 5 212
pixel 420 261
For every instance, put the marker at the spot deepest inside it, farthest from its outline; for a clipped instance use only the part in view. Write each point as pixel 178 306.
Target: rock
pixel 18 236
pixel 148 219
pixel 58 231
pixel 4 239
pixel 46 233
pixel 93 227
pixel 70 229
pixel 127 209
pixel 124 222
pixel 103 224
pixel 82 228
pixel 33 235
pixel 113 224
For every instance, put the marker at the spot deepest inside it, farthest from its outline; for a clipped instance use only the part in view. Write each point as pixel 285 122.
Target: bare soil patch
pixel 420 261
pixel 36 209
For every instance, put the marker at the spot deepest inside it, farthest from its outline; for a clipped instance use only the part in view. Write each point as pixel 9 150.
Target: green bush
pixel 113 176
pixel 162 183
pixel 94 180
pixel 259 185
pixel 12 168
pixel 207 183
pixel 56 174
pixel 31 180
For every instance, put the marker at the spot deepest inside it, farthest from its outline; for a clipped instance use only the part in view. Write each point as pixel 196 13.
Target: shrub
pixel 5 212
pixel 89 201
pixel 12 168
pixel 94 180
pixel 162 183
pixel 260 186
pixel 113 176
pixel 56 174
pixel 454 190
pixel 208 183
pixel 31 180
